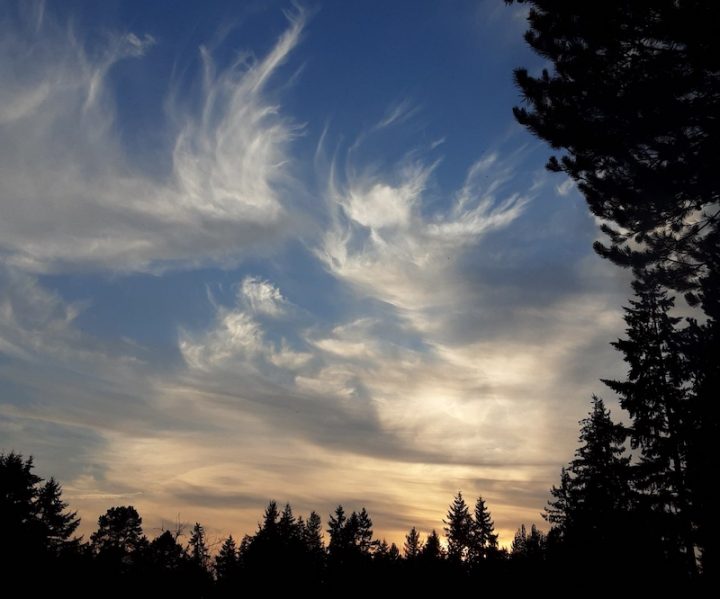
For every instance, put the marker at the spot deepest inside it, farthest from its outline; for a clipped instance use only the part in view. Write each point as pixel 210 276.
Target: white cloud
pixel 262 296
pixel 71 196
pixel 565 187
pixel 383 244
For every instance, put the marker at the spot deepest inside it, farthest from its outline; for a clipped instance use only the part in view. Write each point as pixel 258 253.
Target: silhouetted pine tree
pixel 633 101
pixel 483 540
pixel 336 530
pixel 413 545
pixel 364 532
pixel 313 533
pixel 458 529
pixel 35 526
pixel 529 547
pixel 166 554
pixel 656 396
pixel 593 506
pixel 199 554
pixel 119 538
pixel 227 562
pixel 432 550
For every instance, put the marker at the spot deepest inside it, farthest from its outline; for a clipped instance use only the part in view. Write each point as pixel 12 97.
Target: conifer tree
pixel 119 534
pixel 592 505
pixel 364 532
pixel 413 545
pixel 199 553
pixel 458 529
pixel 58 524
pixel 432 550
pixel 483 540
pixel 226 561
pixel 656 394
pixel 336 529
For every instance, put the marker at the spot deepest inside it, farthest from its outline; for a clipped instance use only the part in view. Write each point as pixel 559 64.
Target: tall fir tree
pixel 433 550
pixel 364 532
pixel 313 533
pixel 483 540
pixel 656 395
pixel 227 560
pixel 458 529
pixel 413 545
pixel 198 549
pixel 58 524
pixel 590 509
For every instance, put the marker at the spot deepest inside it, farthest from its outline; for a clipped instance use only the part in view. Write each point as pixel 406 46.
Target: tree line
pixel 598 503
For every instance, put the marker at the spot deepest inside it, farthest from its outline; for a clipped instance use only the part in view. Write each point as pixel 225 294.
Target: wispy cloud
pixel 70 196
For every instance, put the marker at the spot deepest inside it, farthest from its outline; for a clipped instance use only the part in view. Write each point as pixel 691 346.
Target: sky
pixel 291 251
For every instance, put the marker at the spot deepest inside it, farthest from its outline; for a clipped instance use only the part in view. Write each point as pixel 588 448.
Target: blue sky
pixel 295 251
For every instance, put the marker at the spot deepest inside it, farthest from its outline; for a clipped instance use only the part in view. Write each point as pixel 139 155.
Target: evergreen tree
pixel 413 545
pixel 227 561
pixel 288 527
pixel 529 547
pixel 592 506
pixel 483 540
pixel 432 550
pixel 364 532
pixel 269 527
pixel 58 524
pixel 18 511
pixel 393 554
pixel 656 395
pixel 165 553
pixel 633 101
pixel 458 529
pixel 199 553
pixel 313 533
pixel 336 530
pixel 119 535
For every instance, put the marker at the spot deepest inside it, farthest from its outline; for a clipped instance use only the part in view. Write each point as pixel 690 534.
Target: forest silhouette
pixel 631 104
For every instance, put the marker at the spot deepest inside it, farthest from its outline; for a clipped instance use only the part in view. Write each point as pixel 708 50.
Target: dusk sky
pixel 303 252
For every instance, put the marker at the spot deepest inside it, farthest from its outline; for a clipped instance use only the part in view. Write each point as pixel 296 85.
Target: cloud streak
pixel 71 198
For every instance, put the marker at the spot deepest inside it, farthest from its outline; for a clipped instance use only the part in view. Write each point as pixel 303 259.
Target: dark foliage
pixel 287 553
pixel 631 103
pixel 633 100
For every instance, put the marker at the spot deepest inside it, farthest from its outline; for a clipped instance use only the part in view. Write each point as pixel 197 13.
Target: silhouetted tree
pixel 458 529
pixel 528 546
pixel 413 545
pixel 313 532
pixel 58 524
pixel 656 396
pixel 593 507
pixel 364 532
pixel 633 99
pixel 432 550
pixel 198 550
pixel 165 553
pixel 227 561
pixel 483 540
pixel 119 537
pixel 336 530
pixel 36 529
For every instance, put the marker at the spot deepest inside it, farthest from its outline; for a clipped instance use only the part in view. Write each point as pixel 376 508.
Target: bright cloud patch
pixel 70 196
